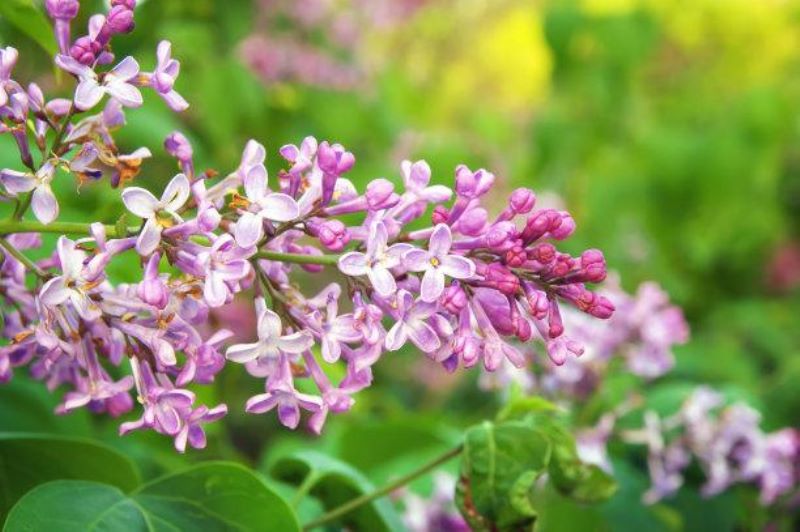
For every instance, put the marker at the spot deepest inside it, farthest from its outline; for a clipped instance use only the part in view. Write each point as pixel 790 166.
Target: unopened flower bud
pixel 501 278
pixel 516 256
pixel 62 9
pixel 380 194
pixel 120 19
pixel 333 234
pixel 440 215
pixel 84 50
pixel 473 221
pixel 454 299
pixel 522 200
pixel 565 228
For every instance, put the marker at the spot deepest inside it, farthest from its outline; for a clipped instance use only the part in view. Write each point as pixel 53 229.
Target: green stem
pixel 380 492
pixel 17 254
pixel 8 227
pixel 297 258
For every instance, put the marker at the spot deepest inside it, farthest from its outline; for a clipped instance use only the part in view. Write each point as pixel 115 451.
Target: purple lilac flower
pixel 463 289
pixel 117 83
pixel 376 262
pixel 43 201
pixel 271 340
pixel 157 213
pixel 437 262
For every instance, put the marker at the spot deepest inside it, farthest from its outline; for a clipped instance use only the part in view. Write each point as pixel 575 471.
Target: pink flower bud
pixel 516 256
pixel 543 253
pixel 501 278
pixel 84 50
pixel 62 9
pixel 120 19
pixel 440 215
pixel 473 221
pixel 563 229
pixel 522 200
pixel 454 299
pixel 333 234
pixel 593 266
pixel 380 194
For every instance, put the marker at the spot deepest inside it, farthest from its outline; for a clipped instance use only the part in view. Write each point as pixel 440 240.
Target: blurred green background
pixel 670 129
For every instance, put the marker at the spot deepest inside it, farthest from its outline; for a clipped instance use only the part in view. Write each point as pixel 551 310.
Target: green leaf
pixel 24 16
pixel 521 407
pixel 499 465
pixel 27 460
pixel 37 414
pixel 68 505
pixel 214 496
pixel 334 482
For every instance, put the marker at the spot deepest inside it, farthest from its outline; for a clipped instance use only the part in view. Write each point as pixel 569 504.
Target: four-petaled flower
pixel 224 266
pixel 43 201
pixel 412 325
pixel 437 262
pixel 159 214
pixel 376 262
pixel 262 205
pixel 116 83
pixel 271 343
pixel 162 79
pixel 281 394
pixel 73 285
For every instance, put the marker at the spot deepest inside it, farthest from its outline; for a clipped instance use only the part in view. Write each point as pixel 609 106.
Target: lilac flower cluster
pixel 462 288
pixel 642 333
pixel 728 444
pixel 282 48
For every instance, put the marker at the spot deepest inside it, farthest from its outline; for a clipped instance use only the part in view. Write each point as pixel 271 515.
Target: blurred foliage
pixel 668 127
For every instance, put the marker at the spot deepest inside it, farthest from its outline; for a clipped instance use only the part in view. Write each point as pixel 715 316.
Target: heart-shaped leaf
pixel 499 466
pixel 27 460
pixel 215 496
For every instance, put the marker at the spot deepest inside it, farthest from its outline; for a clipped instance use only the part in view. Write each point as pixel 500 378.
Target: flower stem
pixel 17 254
pixel 8 227
pixel 380 492
pixel 298 258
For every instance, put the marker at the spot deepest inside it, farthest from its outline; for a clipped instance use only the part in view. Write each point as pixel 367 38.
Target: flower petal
pixel 258 404
pixel 423 336
pixel 127 94
pixel 54 292
pixel 416 260
pixel 432 285
pixel 243 352
pixel 457 267
pixel 176 193
pixel 149 239
pixel 440 241
pixel 382 281
pixel 88 94
pixel 279 207
pixel 44 204
pixel 215 290
pixel 296 342
pixel 249 229
pixel 396 337
pixel 353 264
pixel 126 69
pixel 139 201
pixel 269 325
pixel 289 414
pixel 255 183
pixel 17 182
